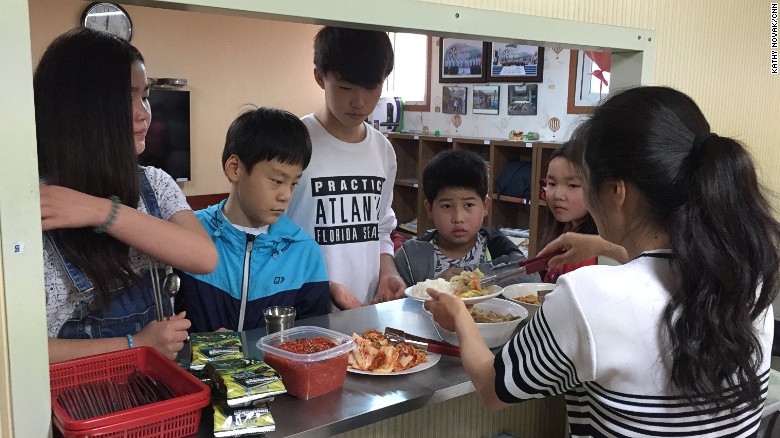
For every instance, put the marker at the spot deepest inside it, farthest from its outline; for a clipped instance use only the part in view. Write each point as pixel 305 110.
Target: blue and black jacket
pixel 282 268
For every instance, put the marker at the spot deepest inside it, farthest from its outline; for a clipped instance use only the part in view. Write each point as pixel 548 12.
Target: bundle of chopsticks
pixel 157 290
pixel 92 399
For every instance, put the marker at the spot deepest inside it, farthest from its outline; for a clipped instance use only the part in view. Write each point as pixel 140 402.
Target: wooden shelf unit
pixel 413 152
pixel 540 214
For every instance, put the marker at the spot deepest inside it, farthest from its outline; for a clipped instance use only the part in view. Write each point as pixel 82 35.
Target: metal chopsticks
pixel 157 289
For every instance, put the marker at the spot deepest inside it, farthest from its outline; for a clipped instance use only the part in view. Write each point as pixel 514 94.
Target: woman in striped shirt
pixel 676 342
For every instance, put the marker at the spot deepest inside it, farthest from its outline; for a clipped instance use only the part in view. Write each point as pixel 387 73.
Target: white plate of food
pixel 466 292
pixel 396 359
pixel 433 359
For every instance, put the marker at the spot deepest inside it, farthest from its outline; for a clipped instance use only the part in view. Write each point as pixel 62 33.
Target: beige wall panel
pixel 5 365
pixel 228 61
pixel 613 12
pixel 24 365
pixel 465 416
pixel 715 51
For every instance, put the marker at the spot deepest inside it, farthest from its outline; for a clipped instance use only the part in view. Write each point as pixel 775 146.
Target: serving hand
pixel 391 287
pixel 580 247
pixel 446 309
pixel 451 272
pixel 342 297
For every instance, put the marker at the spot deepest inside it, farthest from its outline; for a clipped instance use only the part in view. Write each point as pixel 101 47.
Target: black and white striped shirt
pixel 598 340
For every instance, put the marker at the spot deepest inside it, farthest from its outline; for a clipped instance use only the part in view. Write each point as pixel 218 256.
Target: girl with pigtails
pixel 677 341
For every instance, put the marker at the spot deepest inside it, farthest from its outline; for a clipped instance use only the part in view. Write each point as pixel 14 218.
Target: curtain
pixel 602 61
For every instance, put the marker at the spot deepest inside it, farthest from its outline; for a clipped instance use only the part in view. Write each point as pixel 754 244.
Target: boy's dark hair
pixel 360 57
pixel 265 134
pixel 455 168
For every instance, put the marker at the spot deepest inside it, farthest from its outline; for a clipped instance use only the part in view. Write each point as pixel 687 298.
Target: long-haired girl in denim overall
pixel 107 221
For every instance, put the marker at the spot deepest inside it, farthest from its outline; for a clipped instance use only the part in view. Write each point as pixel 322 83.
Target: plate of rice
pixel 461 286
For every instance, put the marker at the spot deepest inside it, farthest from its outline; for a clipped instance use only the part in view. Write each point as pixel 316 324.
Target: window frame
pixel 425 105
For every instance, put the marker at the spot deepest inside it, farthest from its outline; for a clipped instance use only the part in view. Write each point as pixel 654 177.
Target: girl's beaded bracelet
pixel 111 215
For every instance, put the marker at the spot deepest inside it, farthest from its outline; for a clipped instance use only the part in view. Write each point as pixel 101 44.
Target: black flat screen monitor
pixel 168 138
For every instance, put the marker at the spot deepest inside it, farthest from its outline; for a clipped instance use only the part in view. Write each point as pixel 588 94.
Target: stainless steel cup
pixel 278 318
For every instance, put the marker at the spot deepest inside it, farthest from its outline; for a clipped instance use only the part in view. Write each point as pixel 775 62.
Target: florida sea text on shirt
pixel 347 208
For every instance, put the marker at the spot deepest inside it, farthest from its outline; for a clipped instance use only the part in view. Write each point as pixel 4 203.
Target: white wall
pixel 551 103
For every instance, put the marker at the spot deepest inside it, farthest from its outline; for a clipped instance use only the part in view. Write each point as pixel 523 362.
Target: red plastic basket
pixel 177 417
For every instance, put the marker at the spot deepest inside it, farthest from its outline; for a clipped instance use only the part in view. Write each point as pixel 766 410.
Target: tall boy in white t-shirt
pixel 344 197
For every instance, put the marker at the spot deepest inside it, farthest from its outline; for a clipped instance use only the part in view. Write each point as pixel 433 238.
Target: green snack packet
pixel 243 421
pixel 211 346
pixel 244 381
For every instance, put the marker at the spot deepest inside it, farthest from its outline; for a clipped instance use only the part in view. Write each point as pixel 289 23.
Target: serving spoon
pixel 171 286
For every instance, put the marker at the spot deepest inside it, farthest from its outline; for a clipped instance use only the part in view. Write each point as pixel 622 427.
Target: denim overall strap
pixel 82 282
pixel 147 193
pixel 131 308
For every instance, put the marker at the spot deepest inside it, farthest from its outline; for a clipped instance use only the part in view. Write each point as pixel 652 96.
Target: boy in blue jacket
pixel 264 258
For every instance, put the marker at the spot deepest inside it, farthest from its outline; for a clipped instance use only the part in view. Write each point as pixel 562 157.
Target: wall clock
pixel 108 17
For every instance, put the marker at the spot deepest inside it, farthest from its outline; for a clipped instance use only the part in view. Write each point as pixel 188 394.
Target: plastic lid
pixel 268 343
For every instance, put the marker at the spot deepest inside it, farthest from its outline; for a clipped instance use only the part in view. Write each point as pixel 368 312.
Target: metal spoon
pixel 171 286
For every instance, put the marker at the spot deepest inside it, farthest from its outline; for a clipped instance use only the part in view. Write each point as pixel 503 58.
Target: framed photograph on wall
pixel 522 99
pixel 461 60
pixel 453 99
pixel 514 63
pixel 485 99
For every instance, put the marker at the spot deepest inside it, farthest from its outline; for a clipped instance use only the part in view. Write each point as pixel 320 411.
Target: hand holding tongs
pixel 395 336
pixel 525 267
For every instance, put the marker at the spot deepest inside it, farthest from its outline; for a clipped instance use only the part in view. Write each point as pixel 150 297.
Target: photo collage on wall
pixel 484 62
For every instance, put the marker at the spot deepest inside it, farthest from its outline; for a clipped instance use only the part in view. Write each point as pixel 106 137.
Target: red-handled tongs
pixel 395 335
pixel 525 267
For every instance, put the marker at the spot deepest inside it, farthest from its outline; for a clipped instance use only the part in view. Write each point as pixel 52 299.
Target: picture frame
pixel 512 62
pixel 486 99
pixel 454 99
pixel 522 99
pixel 580 99
pixel 461 61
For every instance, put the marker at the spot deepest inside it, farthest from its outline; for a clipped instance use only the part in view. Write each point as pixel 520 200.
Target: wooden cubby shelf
pixel 413 152
pixel 407 182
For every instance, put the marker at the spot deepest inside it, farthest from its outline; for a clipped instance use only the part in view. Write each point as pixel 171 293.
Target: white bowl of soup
pixel 497 319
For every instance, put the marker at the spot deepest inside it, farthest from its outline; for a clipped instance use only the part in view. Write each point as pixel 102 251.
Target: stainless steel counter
pixel 364 399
